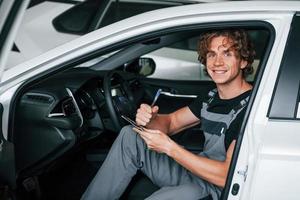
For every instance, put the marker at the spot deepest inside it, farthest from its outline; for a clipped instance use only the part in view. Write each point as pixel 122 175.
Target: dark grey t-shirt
pixel 223 106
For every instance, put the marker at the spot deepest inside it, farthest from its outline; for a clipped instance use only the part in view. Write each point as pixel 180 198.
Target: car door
pixel 11 13
pixel 261 155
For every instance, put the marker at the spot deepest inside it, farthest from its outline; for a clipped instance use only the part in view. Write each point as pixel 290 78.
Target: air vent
pixel 41 98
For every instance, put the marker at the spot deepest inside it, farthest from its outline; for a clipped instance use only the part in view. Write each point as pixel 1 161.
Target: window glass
pixel 122 10
pixel 177 64
pixel 79 18
pixel 179 61
pixel 285 103
pixel 83 17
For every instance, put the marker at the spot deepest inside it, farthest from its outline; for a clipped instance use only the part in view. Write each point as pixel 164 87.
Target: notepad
pixel 133 123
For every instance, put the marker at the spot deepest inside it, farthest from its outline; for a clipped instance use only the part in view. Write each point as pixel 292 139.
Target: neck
pixel 233 89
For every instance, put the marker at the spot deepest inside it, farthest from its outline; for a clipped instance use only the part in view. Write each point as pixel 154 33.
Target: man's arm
pixel 156 139
pixel 210 170
pixel 168 123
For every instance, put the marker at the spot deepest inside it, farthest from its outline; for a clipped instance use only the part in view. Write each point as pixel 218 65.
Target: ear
pixel 243 64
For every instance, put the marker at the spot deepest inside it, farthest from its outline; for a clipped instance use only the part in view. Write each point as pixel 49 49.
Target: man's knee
pixel 127 135
pixel 126 129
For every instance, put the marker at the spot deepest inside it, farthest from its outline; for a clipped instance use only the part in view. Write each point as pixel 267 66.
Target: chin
pixel 219 80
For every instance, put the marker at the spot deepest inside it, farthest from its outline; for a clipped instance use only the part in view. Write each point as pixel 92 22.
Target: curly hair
pixel 241 44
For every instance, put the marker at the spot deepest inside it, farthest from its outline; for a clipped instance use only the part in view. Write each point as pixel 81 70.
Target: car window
pixel 285 103
pixel 78 19
pixel 94 14
pixel 122 10
pixel 179 60
pixel 177 64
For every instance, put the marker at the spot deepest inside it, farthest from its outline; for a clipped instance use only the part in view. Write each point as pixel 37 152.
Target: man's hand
pixel 156 140
pixel 145 114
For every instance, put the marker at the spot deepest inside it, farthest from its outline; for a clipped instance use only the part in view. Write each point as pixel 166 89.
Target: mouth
pixel 219 71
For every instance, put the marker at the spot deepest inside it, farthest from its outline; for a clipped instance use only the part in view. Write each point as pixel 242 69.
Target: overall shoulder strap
pixel 241 105
pixel 211 95
pixel 237 109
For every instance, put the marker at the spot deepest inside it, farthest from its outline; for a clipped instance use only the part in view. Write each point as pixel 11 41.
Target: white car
pixel 61 110
pixel 50 23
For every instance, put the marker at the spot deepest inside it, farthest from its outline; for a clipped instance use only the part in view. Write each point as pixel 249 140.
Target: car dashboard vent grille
pixel 40 98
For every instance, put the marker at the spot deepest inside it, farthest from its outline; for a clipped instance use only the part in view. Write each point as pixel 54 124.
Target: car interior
pixel 64 123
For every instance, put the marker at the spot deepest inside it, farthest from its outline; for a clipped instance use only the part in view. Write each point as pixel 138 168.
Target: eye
pixel 228 53
pixel 210 55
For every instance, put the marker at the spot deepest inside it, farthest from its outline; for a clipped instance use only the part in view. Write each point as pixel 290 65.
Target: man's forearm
pixel 160 122
pixel 210 170
pixel 174 122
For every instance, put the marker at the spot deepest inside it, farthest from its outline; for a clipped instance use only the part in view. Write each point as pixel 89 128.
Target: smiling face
pixel 223 64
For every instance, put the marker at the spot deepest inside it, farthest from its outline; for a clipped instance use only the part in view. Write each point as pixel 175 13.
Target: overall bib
pixel 215 125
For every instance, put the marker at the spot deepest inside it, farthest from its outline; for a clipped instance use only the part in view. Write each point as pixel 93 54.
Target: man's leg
pixel 175 181
pixel 117 170
pixel 128 154
pixel 186 191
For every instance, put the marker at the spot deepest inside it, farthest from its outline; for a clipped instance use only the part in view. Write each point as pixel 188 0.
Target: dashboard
pixel 58 115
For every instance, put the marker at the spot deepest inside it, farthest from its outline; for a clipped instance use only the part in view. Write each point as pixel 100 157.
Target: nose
pixel 218 60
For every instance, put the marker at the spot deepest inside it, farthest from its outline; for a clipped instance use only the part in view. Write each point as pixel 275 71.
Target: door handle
pixel 178 95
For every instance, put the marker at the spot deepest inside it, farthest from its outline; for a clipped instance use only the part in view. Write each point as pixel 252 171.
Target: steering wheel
pixel 122 103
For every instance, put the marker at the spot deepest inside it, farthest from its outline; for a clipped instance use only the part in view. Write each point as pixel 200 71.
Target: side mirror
pixel 147 66
pixel 144 66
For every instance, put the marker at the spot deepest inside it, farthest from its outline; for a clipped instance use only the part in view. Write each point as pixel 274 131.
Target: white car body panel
pixel 252 154
pixel 268 153
pixel 47 37
pixel 5 9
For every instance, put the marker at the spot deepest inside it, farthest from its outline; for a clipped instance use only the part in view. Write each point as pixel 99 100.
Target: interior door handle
pixel 178 95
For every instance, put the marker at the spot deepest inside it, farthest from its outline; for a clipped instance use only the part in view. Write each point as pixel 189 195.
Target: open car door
pixel 11 13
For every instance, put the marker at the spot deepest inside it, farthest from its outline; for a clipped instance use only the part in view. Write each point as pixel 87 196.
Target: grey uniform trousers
pixel 128 154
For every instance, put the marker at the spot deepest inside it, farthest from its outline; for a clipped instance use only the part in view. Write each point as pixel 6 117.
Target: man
pixel 181 174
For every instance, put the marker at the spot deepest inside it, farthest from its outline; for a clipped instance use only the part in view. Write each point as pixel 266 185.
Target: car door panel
pixel 7 158
pixel 176 94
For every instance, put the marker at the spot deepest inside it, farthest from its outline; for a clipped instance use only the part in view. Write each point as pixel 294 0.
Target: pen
pixel 156 96
pixel 132 123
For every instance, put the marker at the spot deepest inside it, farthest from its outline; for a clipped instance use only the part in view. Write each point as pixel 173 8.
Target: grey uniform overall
pixel 214 126
pixel 129 153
